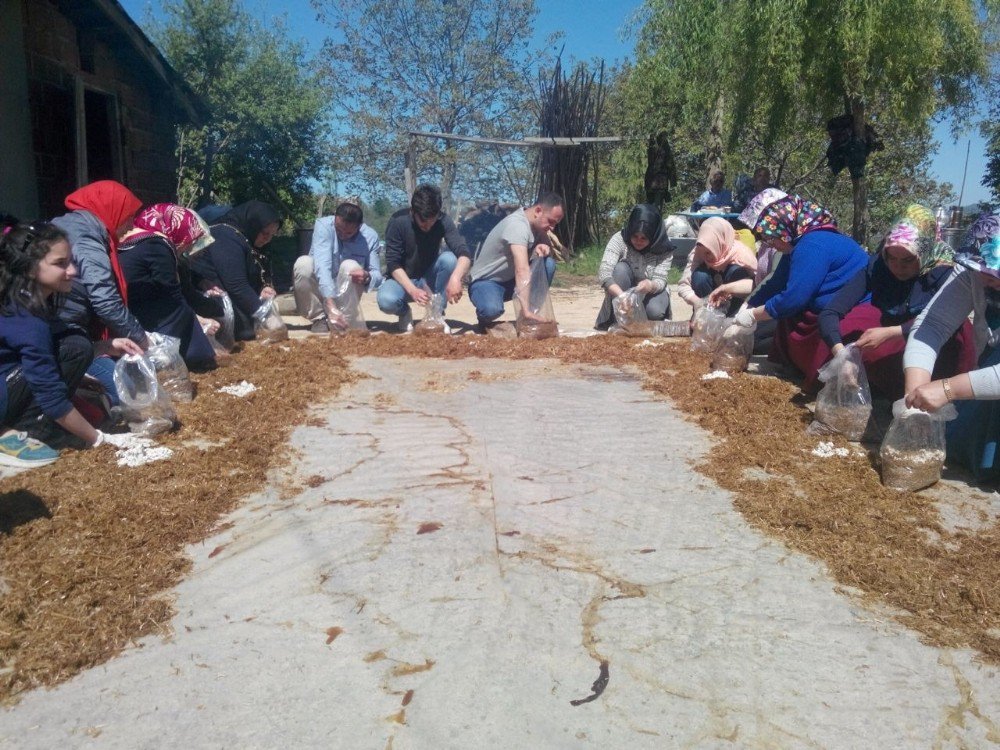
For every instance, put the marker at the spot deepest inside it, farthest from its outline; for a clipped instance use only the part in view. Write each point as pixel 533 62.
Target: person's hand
pixel 208 325
pixel 929 397
pixel 122 346
pixel 215 291
pixel 745 318
pixel 420 295
pixel 268 293
pixel 719 296
pixel 360 276
pixel 644 287
pixel 453 290
pixel 875 337
pixel 542 250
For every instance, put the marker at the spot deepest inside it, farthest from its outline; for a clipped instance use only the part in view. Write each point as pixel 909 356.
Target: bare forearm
pixel 75 424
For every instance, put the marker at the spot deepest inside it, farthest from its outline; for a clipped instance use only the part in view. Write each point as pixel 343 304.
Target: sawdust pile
pixel 88 547
pixel 91 548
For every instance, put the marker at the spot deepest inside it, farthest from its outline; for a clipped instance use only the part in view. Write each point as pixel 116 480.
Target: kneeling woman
pixel 235 263
pixel 639 256
pixel 148 255
pixel 973 287
pixel 901 279
pixel 42 361
pixel 719 257
pixel 820 261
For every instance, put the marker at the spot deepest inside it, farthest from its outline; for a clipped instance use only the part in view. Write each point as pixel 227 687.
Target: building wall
pixel 18 195
pixel 64 61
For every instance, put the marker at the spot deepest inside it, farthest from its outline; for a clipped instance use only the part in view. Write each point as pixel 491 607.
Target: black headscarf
pixel 646 220
pixel 251 217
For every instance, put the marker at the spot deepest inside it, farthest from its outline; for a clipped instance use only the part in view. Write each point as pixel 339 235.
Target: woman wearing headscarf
pixel 876 309
pixel 973 287
pixel 820 260
pixel 719 257
pixel 638 256
pixel 149 256
pixel 96 304
pixel 234 261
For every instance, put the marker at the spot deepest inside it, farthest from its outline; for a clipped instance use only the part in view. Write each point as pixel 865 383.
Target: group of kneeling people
pixel 88 287
pixel 925 318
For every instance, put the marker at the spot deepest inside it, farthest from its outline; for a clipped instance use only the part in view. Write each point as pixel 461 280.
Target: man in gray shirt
pixel 502 263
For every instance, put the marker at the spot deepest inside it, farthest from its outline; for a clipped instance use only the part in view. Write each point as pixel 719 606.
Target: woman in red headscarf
pixel 149 255
pixel 99 214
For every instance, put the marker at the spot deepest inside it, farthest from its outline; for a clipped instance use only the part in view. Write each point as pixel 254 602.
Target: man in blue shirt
pixel 344 251
pixel 716 195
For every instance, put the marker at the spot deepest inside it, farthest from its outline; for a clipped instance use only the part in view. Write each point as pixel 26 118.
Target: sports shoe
pixel 320 326
pixel 405 323
pixel 17 449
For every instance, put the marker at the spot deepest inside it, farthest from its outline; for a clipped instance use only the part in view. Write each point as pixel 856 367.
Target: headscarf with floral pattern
pixel 915 232
pixel 791 217
pixel 751 214
pixel 980 250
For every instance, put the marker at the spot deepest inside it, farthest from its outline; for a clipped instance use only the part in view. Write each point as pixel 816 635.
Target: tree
pixel 453 67
pixel 267 134
pixel 767 62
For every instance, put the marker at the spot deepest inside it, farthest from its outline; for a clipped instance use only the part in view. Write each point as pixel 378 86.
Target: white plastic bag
pixel 145 404
pixel 678 226
pixel 709 325
pixel 913 451
pixel 535 317
pixel 844 404
pixel 350 319
pixel 268 324
pixel 226 335
pixel 433 320
pixel 165 354
pixel 630 315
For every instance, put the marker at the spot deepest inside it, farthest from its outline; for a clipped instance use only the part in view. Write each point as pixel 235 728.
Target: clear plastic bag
pixel 709 325
pixel 844 404
pixel 734 348
pixel 145 405
pixel 226 335
pixel 913 451
pixel 535 317
pixel 165 354
pixel 268 325
pixel 351 319
pixel 630 315
pixel 433 320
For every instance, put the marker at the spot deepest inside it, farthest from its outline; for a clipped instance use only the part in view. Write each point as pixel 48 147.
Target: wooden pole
pixel 410 170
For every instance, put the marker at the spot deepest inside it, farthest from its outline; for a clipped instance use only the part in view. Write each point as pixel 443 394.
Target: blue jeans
pixel 103 368
pixel 488 296
pixel 393 299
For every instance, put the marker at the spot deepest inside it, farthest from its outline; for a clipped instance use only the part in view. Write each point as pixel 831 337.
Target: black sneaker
pixel 320 326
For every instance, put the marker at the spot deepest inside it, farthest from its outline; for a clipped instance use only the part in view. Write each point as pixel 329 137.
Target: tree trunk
pixel 714 155
pixel 859 227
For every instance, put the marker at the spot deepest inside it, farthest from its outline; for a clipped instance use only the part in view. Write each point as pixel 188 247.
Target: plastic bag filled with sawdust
pixel 630 315
pixel 268 324
pixel 844 404
pixel 226 335
pixel 349 320
pixel 433 320
pixel 732 354
pixel 912 453
pixel 533 305
pixel 165 354
pixel 144 402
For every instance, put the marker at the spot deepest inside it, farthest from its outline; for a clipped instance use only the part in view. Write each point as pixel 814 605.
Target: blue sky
pixel 597 28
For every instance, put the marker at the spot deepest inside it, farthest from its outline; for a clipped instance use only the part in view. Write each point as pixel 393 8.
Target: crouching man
pixel 344 251
pixel 414 261
pixel 502 263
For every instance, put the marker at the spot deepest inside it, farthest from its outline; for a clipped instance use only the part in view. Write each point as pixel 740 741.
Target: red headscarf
pixel 180 225
pixel 112 203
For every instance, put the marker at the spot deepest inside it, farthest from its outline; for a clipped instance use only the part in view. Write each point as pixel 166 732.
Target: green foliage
pixel 394 66
pixel 585 261
pixel 267 133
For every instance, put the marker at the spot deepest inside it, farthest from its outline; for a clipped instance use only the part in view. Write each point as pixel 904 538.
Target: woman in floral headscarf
pixel 149 259
pixel 876 308
pixel 973 287
pixel 820 261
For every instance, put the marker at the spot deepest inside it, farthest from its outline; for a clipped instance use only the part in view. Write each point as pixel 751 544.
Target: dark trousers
pixel 74 354
pixel 704 281
pixel 657 305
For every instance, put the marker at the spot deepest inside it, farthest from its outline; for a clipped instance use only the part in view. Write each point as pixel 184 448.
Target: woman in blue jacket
pixel 41 359
pixel 820 261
